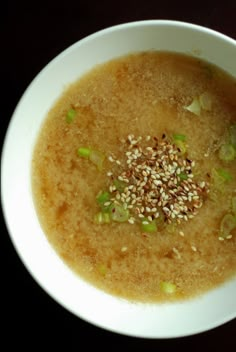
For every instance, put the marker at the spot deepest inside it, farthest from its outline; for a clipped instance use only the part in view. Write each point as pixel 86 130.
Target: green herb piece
pixel 70 116
pixel 227 152
pixel 181 146
pixel 224 174
pixel 183 176
pixel 120 185
pixel 228 223
pixel 103 197
pixel 148 226
pixel 102 218
pixel 167 287
pixel 179 137
pixel 118 213
pixel 102 268
pixel 97 158
pixel 194 107
pixel 84 152
pixel 205 101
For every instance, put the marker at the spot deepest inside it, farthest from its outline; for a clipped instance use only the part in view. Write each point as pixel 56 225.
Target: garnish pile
pixel 155 185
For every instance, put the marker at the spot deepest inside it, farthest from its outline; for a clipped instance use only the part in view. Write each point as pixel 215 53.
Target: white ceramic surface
pixel 85 301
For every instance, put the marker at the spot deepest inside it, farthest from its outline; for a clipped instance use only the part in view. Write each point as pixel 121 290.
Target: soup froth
pixel 133 176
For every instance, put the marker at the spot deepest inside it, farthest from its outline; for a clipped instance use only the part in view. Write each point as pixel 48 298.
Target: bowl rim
pixel 8 217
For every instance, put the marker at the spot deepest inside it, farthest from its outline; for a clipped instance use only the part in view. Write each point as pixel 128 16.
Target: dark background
pixel 32 33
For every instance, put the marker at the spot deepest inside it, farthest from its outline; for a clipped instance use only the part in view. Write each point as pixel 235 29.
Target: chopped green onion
pixel 224 174
pixel 84 152
pixel 102 218
pixel 227 152
pixel 102 268
pixel 194 107
pixel 228 223
pixel 179 137
pixel 167 287
pixel 103 201
pixel 181 146
pixel 232 135
pixel 183 176
pixel 147 226
pixel 120 185
pixel 97 158
pixel 94 156
pixel 70 115
pixel 205 101
pixel 118 213
pixel 234 205
pixel 103 197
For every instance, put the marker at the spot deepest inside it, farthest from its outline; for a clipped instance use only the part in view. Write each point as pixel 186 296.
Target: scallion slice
pixel 227 152
pixel 167 287
pixel 118 213
pixel 194 107
pixel 181 146
pixel 70 116
pixel 179 137
pixel 102 218
pixel 120 185
pixel 103 197
pixel 97 158
pixel 228 223
pixel 148 226
pixel 84 152
pixel 183 176
pixel 224 174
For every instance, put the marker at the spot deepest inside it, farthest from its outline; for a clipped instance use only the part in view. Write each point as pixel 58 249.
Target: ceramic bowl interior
pixel 82 299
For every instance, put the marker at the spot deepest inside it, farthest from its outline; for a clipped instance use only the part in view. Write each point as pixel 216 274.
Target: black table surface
pixel 32 33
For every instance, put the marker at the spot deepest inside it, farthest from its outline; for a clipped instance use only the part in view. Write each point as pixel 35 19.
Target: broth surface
pixel 143 94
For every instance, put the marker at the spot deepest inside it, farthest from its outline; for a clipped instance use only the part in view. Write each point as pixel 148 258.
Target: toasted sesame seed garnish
pixel 151 169
pixel 194 248
pixel 124 249
pixel 131 220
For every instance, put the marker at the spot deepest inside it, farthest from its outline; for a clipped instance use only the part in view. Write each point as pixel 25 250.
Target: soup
pixel 133 176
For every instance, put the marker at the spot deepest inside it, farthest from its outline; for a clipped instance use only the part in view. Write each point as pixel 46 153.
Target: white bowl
pixel 144 320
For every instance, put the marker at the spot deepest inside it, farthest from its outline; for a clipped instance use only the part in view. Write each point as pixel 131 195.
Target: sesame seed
pixel 181 233
pixel 124 249
pixel 150 173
